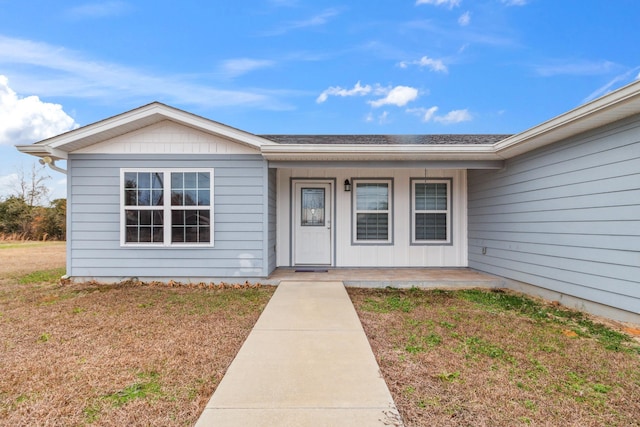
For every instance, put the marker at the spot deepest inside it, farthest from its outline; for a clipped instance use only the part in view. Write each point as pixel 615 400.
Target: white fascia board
pixel 42 151
pixel 102 126
pixel 378 152
pixel 149 114
pixel 607 109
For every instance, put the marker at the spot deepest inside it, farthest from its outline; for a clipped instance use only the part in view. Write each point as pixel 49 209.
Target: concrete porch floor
pixel 394 277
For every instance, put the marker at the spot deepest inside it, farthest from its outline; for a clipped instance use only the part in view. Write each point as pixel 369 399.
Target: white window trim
pixel 449 183
pixel 355 211
pixel 166 208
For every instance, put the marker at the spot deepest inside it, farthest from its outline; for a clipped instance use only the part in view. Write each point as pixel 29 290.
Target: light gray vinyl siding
pixel 238 220
pixel 565 217
pixel 272 202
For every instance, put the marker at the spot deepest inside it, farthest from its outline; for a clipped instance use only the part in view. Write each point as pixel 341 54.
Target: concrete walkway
pixel 307 362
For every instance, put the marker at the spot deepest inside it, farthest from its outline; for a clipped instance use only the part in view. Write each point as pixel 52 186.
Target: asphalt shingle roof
pixel 386 139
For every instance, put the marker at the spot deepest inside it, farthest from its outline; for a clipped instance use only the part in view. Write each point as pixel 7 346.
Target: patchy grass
pixel 149 385
pixel 478 357
pixel 90 354
pixel 389 304
pixel 41 276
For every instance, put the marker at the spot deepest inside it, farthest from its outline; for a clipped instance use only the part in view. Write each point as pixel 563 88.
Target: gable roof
pixel 609 108
pixel 59 146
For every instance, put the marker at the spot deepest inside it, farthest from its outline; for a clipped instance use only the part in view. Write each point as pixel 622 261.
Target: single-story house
pixel 158 193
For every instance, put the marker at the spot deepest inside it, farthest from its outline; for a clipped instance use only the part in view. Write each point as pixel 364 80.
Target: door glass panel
pixel 312 207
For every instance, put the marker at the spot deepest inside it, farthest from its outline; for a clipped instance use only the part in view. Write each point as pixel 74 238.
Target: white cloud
pixel 55 71
pixel 515 2
pixel 450 3
pixel 398 96
pixel 436 65
pixel 382 118
pixel 358 90
pixel 28 120
pixel 239 66
pixel 426 114
pixel 465 19
pixel 455 116
pixel 429 114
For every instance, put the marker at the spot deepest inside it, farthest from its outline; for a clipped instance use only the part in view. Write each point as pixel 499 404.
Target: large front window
pixel 372 211
pixel 166 207
pixel 431 211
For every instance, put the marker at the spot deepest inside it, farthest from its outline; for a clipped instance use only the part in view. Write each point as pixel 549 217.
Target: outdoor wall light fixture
pixel 347 185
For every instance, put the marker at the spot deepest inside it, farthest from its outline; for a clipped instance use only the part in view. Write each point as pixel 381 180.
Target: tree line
pixel 27 214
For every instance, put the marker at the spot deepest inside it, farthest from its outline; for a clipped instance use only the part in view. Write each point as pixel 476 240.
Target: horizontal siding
pixel 180 273
pixel 621 243
pixel 244 245
pixel 596 227
pixel 239 218
pixel 615 257
pixel 558 191
pixel 565 217
pixel 272 220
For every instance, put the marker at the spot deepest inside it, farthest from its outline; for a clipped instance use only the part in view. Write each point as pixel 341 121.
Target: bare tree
pixel 30 185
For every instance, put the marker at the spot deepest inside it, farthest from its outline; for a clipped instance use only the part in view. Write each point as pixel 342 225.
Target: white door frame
pixel 294 199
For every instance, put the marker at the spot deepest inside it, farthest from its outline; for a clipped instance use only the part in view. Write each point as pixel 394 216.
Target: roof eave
pixel 42 151
pixel 360 152
pixel 609 108
pixel 140 118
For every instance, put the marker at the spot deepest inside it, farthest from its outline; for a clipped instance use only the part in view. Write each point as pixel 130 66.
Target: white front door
pixel 312 240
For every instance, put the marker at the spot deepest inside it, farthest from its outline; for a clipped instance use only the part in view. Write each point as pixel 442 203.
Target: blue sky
pixel 302 66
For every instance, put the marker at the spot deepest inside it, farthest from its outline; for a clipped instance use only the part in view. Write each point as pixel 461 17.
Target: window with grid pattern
pixel 372 211
pixel 152 218
pixel 431 211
